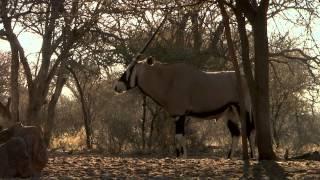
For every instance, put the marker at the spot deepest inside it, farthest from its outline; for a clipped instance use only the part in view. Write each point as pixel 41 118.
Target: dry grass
pixel 70 141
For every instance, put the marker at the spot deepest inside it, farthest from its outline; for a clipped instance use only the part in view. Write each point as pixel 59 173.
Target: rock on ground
pixel 14 159
pixel 29 145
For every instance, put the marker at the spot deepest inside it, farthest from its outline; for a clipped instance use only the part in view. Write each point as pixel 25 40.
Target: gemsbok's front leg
pixel 180 140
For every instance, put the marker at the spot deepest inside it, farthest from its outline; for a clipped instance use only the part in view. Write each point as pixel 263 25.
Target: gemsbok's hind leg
pixel 251 133
pixel 235 134
pixel 231 117
pixel 180 140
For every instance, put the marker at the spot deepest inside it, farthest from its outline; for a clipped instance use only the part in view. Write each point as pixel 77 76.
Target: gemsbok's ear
pixel 138 57
pixel 150 60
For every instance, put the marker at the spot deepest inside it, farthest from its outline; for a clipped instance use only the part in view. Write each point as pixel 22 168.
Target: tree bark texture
pixel 262 104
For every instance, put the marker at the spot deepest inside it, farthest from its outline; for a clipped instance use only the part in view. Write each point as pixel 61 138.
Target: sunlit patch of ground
pixel 92 166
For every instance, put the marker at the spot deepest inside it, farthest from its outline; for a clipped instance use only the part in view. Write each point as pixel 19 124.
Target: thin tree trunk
pixel 151 133
pixel 52 106
pixel 14 84
pixel 246 65
pixel 275 134
pixel 196 32
pixel 275 119
pixel 86 118
pixel 245 51
pixel 154 115
pixel 144 112
pixel 233 57
pixel 5 111
pixel 180 32
pixel 215 39
pixel 6 115
pixel 14 73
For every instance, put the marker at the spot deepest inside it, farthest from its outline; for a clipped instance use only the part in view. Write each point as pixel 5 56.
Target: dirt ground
pixel 97 166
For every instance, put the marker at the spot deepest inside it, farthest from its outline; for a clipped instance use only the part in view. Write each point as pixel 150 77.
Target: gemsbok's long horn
pixel 154 34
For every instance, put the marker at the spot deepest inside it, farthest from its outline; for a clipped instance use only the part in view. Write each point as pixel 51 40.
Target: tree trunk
pixel 52 106
pixel 256 13
pixel 275 118
pixel 14 73
pixel 261 100
pixel 215 39
pixel 6 115
pixel 154 113
pixel 34 107
pixel 247 69
pixel 85 110
pixel 144 112
pixel 275 134
pixel 197 39
pixel 180 32
pixel 14 84
pixel 151 133
pixel 245 51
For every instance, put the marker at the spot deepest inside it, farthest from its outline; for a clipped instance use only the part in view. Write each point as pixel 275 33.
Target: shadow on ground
pixel 264 170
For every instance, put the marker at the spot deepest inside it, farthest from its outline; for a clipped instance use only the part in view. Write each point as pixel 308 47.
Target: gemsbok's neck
pixel 153 84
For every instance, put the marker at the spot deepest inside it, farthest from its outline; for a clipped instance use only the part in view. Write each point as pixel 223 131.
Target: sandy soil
pixel 97 166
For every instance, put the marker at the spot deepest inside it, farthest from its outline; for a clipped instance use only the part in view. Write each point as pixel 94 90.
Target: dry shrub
pixel 118 118
pixel 117 133
pixel 69 141
pixel 162 139
pixel 207 135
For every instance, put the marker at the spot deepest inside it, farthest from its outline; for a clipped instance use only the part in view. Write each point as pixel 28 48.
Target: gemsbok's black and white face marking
pixel 128 79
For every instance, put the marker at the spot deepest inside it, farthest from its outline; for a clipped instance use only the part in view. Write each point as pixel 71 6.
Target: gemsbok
pixel 182 90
